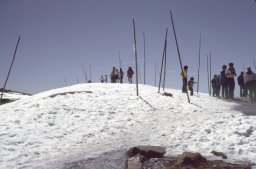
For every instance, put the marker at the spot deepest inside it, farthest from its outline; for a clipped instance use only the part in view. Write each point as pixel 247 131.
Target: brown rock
pixel 134 163
pixel 188 158
pixel 147 151
pixel 219 154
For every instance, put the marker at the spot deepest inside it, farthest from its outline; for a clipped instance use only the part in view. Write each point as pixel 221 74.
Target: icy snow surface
pixel 51 128
pixel 14 95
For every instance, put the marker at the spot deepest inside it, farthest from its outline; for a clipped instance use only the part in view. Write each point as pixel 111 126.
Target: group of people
pixel 225 82
pixel 247 83
pixel 116 76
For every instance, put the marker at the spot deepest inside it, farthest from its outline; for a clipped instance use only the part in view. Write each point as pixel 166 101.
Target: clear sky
pixel 57 36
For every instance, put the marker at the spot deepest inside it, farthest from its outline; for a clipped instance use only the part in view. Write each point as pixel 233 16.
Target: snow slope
pixel 12 95
pixel 51 128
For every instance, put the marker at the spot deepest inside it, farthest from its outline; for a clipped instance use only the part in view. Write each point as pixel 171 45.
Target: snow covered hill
pixel 10 96
pixel 51 128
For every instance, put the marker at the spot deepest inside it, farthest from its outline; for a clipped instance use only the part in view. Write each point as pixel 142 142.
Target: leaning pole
pixel 181 67
pixel 136 60
pixel 163 58
pixel 9 70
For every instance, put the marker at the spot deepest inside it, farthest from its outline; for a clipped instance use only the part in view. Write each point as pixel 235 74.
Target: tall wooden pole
pixel 65 80
pixel 181 67
pixel 155 73
pixel 210 72
pixel 144 58
pixel 85 73
pixel 160 79
pixel 120 61
pixel 90 73
pixel 254 62
pixel 9 70
pixel 199 65
pixel 136 60
pixel 165 65
pixel 208 75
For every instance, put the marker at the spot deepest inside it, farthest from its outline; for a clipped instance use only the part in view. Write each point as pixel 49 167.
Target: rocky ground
pixel 151 157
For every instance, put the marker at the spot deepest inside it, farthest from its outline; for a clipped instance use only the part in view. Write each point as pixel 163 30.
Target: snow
pixel 11 95
pixel 81 121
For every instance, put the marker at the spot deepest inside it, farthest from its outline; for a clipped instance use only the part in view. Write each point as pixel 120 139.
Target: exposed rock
pixel 121 159
pixel 168 94
pixel 134 163
pixel 142 157
pixel 189 158
pixel 219 154
pixel 147 151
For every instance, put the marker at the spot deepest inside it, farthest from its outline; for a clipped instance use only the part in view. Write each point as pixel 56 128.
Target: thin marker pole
pixel 120 61
pixel 164 65
pixel 199 65
pixel 90 73
pixel 155 73
pixel 9 70
pixel 210 72
pixel 85 73
pixel 144 58
pixel 208 79
pixel 136 62
pixel 163 58
pixel 65 81
pixel 181 67
pixel 254 62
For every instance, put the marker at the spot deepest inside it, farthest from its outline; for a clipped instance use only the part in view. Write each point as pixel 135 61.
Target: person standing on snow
pixel 112 75
pixel 116 76
pixel 250 84
pixel 101 79
pixel 184 75
pixel 230 73
pixel 214 82
pixel 223 82
pixel 240 81
pixel 218 86
pixel 130 74
pixel 106 79
pixel 190 86
pixel 121 75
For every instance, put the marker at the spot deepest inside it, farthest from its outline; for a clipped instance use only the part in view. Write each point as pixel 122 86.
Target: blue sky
pixel 57 36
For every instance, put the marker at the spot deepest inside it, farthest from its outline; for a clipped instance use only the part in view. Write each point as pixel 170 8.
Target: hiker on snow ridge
pixel 250 84
pixel 184 75
pixel 230 73
pixel 223 82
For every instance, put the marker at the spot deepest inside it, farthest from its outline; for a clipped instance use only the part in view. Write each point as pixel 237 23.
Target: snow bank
pixel 61 125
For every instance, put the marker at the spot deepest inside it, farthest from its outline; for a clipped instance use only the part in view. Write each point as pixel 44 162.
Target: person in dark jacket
pixel 112 75
pixel 184 75
pixel 230 73
pixel 130 74
pixel 121 75
pixel 190 86
pixel 215 83
pixel 223 82
pixel 218 86
pixel 240 81
pixel 250 84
